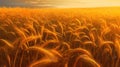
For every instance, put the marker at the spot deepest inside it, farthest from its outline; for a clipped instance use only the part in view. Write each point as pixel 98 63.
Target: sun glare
pixel 87 3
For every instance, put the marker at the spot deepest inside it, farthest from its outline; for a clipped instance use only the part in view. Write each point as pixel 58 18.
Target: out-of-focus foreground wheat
pixel 59 37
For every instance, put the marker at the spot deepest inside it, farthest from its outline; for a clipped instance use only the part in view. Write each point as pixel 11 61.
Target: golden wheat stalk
pixel 3 29
pixel 50 43
pixel 77 50
pixel 15 58
pixel 40 63
pixel 6 43
pixel 57 54
pixel 87 59
pixel 117 46
pixel 79 22
pixel 31 28
pixel 47 53
pixel 31 38
pixel 50 33
pixel 19 32
pixel 90 43
pixel 61 27
pixel 7 56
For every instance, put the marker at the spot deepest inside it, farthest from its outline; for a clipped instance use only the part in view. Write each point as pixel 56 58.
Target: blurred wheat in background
pixel 60 37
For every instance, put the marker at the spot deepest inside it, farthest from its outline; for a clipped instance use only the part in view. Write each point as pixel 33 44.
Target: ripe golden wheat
pixel 59 37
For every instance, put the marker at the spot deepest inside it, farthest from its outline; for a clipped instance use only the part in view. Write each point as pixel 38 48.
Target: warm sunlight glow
pixel 60 3
pixel 86 3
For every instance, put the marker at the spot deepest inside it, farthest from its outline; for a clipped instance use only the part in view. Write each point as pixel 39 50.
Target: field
pixel 60 37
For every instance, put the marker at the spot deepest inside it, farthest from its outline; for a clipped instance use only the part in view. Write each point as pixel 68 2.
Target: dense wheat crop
pixel 59 37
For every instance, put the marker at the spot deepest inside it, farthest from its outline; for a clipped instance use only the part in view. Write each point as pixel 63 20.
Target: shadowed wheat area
pixel 52 37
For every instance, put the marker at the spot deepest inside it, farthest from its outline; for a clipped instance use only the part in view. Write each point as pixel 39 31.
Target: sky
pixel 59 3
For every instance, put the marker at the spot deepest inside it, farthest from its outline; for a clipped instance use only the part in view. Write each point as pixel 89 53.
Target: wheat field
pixel 56 37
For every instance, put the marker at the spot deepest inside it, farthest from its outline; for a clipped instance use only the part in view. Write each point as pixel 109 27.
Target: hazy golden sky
pixel 60 3
pixel 86 3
